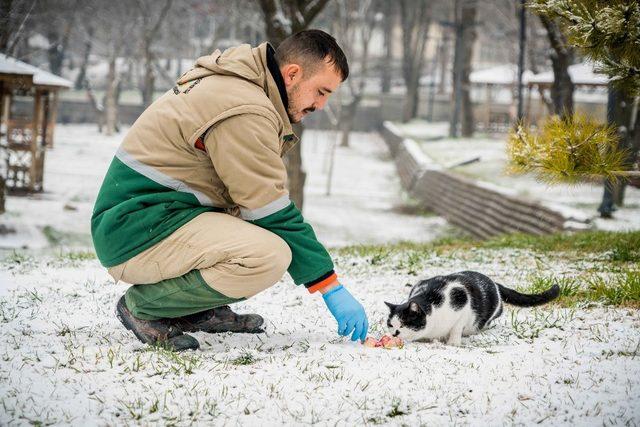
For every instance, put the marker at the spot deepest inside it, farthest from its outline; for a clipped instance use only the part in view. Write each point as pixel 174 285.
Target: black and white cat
pixel 455 305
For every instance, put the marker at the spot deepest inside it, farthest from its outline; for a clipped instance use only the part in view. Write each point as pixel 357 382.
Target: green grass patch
pixel 76 256
pixel 246 358
pixel 621 289
pixel 395 410
pixel 56 237
pixel 618 246
pixel 621 246
pixel 16 257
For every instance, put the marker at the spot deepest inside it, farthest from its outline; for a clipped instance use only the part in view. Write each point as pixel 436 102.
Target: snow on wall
pixel 483 209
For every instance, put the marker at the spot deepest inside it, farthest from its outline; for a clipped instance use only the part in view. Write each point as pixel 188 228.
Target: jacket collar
pixel 277 93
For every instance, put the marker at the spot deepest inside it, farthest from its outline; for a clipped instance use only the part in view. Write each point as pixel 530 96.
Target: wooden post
pixel 2 120
pixel 46 108
pixel 53 114
pixel 528 111
pixel 33 168
pixel 487 105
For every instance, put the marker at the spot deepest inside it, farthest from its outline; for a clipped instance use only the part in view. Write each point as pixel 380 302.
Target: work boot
pixel 221 319
pixel 162 332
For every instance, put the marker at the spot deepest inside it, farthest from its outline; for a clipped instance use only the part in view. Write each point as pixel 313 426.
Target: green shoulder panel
pixel 133 212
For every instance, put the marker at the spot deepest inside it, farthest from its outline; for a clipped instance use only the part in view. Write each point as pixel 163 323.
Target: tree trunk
pixel 88 45
pixel 443 55
pixel 347 119
pixel 469 12
pixel 416 18
pixel 300 15
pixel 561 57
pixel 388 47
pixel 149 82
pixel 295 172
pixel 5 25
pixel 411 100
pixel 111 104
pixel 150 30
pixel 462 108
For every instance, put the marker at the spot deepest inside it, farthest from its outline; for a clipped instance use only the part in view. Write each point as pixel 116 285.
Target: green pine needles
pixel 606 31
pixel 567 150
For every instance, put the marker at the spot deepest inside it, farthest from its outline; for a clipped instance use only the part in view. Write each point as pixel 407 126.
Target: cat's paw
pixel 455 342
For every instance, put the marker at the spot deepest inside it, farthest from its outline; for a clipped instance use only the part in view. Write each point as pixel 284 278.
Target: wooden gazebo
pixel 27 126
pixel 497 88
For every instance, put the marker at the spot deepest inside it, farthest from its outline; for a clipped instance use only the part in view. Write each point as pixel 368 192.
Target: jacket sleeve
pixel 245 151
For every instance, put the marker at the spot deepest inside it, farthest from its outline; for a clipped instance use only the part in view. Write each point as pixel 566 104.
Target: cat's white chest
pixel 443 319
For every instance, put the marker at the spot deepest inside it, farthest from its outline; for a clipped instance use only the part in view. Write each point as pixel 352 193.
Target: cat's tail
pixel 513 297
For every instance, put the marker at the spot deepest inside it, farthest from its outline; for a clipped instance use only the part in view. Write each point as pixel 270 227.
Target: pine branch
pixel 568 150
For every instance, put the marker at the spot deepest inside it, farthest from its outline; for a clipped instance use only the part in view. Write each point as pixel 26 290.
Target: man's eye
pixel 320 93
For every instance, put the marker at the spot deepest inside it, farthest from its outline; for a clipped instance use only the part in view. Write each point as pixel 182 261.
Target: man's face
pixel 309 93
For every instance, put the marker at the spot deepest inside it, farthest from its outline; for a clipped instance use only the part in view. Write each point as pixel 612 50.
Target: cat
pixel 458 304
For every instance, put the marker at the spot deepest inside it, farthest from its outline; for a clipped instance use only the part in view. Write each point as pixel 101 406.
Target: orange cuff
pixel 329 280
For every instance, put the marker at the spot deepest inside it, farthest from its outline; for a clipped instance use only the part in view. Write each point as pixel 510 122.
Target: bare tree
pixel 57 18
pixel 15 21
pixel 88 35
pixel 561 57
pixel 150 22
pixel 389 20
pixel 282 19
pixel 355 22
pixel 537 48
pixel 465 24
pixel 415 21
pixel 113 28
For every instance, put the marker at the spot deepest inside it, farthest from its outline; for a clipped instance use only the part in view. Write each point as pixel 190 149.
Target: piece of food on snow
pixel 386 341
pixel 393 342
pixel 370 342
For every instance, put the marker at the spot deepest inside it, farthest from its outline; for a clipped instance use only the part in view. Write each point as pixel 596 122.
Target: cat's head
pixel 406 320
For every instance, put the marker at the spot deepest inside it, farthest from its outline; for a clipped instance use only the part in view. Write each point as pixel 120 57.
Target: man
pixel 208 151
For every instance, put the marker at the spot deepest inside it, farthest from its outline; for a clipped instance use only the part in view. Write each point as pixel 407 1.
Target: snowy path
pixel 365 203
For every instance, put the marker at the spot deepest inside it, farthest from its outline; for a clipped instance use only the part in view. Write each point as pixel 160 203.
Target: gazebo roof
pixel 506 74
pixel 581 74
pixel 9 65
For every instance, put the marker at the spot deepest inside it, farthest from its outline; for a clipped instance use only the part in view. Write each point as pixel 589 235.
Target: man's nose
pixel 321 103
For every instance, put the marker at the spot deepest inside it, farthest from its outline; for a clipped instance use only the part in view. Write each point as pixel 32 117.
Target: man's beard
pixel 293 109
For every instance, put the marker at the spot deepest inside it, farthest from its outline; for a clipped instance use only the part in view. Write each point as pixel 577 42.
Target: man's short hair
pixel 309 48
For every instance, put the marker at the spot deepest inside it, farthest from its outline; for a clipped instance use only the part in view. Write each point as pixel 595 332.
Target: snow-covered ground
pixel 585 197
pixel 65 358
pixel 365 205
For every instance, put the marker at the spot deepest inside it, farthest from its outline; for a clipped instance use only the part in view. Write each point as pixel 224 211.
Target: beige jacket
pixel 211 104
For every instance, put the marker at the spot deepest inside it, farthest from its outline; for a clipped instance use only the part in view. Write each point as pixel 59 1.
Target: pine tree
pixel 605 31
pixel 573 148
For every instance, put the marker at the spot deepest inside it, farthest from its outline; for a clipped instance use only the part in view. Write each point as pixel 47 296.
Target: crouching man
pixel 194 210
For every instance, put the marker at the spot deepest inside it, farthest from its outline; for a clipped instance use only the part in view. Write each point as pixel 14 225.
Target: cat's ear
pixel 413 306
pixel 392 307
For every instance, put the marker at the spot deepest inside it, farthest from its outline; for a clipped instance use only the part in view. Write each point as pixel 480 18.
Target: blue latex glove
pixel 348 312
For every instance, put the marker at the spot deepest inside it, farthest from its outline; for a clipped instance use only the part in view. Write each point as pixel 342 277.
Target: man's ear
pixel 291 73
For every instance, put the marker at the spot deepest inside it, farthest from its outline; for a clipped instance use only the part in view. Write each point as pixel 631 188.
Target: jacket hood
pixel 241 61
pixel 247 63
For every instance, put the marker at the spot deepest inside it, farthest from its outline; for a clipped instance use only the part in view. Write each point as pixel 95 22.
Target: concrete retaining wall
pixel 480 208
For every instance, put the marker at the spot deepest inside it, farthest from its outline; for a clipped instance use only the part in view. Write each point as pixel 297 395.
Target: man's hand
pixel 348 312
